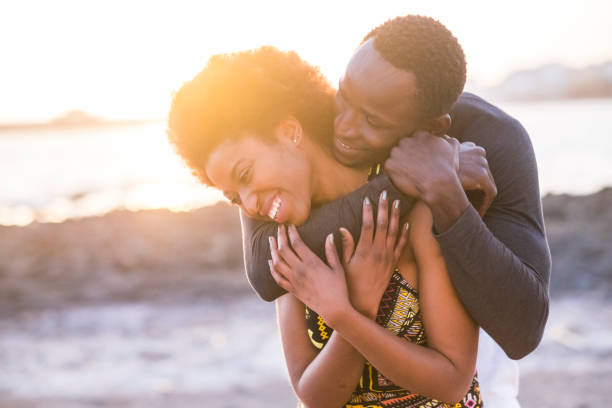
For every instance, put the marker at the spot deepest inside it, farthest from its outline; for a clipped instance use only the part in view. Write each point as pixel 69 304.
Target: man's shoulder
pixel 478 120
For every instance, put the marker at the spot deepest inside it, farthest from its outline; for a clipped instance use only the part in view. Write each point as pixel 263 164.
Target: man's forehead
pixel 376 80
pixel 366 60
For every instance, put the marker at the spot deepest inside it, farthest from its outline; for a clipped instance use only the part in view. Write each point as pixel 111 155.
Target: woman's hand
pixel 369 266
pixel 300 272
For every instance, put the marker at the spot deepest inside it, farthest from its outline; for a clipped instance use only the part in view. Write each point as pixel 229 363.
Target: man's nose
pixel 250 203
pixel 346 123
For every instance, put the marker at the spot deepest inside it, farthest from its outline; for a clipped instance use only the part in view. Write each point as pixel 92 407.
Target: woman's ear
pixel 440 125
pixel 290 131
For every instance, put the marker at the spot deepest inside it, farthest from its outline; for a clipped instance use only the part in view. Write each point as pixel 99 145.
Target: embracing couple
pixel 409 269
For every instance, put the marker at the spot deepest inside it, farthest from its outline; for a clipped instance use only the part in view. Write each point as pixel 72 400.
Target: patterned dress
pixel 399 312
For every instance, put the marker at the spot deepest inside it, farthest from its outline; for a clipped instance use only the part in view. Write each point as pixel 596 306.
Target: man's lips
pixel 343 145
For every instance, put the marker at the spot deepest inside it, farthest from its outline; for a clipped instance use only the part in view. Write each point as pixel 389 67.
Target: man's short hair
pixel 425 47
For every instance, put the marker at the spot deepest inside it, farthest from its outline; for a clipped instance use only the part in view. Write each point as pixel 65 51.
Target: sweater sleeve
pixel 500 266
pixel 328 218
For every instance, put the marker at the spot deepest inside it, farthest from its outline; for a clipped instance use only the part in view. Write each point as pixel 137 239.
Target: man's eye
pixel 372 121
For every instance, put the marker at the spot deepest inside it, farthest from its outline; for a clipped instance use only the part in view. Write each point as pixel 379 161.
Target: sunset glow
pixel 123 59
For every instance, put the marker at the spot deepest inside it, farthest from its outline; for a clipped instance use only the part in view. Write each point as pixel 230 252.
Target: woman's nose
pixel 250 203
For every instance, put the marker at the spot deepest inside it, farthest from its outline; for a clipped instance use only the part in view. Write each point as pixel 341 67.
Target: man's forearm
pixel 344 212
pixel 505 294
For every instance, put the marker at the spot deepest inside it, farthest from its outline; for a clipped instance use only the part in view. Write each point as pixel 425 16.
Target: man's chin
pixel 347 159
pixel 357 159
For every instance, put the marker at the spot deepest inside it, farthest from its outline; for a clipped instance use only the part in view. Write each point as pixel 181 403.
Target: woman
pixel 256 125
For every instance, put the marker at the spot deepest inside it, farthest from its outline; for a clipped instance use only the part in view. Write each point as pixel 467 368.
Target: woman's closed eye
pixel 245 175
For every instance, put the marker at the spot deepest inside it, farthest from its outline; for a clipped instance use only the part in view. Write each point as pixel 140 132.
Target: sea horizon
pixel 131 166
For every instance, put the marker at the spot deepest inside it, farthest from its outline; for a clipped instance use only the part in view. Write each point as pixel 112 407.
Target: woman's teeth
pixel 275 207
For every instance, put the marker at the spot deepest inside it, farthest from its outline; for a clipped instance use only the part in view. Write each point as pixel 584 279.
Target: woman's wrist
pixel 368 309
pixel 340 314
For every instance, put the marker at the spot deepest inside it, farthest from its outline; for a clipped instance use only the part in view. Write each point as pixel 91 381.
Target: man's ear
pixel 290 131
pixel 440 125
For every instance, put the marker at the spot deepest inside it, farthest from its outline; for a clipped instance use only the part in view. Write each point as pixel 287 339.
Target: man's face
pixel 376 107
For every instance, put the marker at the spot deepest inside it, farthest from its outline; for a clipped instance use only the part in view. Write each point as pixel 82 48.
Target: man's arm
pixel 499 267
pixel 343 212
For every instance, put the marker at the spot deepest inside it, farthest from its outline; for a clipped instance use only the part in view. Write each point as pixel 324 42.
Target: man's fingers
pixel 331 254
pixel 348 245
pixel 487 185
pixel 401 243
pixel 382 219
pixel 490 192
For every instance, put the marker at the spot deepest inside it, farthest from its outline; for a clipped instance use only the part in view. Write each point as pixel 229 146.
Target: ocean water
pixel 51 175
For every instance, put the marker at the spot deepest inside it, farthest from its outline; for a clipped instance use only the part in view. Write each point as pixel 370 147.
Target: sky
pixel 123 59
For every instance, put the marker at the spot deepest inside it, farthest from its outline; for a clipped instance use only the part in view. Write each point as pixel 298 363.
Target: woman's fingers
pixel 393 224
pixel 348 245
pixel 284 249
pixel 280 280
pixel 331 254
pixel 382 219
pixel 300 248
pixel 277 259
pixel 401 243
pixel 367 224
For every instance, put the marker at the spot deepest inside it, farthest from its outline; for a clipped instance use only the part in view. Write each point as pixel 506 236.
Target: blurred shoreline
pixel 173 245
pixel 152 308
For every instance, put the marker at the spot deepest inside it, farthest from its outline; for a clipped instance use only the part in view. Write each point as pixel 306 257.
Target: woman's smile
pixel 273 210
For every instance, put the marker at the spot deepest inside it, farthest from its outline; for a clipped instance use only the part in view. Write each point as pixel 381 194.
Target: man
pixel 499 264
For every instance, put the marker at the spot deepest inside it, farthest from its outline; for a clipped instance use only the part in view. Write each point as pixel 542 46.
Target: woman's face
pixel 269 179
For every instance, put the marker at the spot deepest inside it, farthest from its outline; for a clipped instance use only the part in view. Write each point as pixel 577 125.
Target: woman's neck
pixel 333 180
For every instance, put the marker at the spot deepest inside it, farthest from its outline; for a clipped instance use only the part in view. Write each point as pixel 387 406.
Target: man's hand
pixel 426 167
pixel 474 174
pixel 421 161
pixel 369 267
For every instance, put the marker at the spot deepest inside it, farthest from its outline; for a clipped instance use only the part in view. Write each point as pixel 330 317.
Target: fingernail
pixel 271 240
pixel 331 238
pixel 406 226
pixel 383 196
pixel 396 204
pixel 366 201
pixel 270 263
